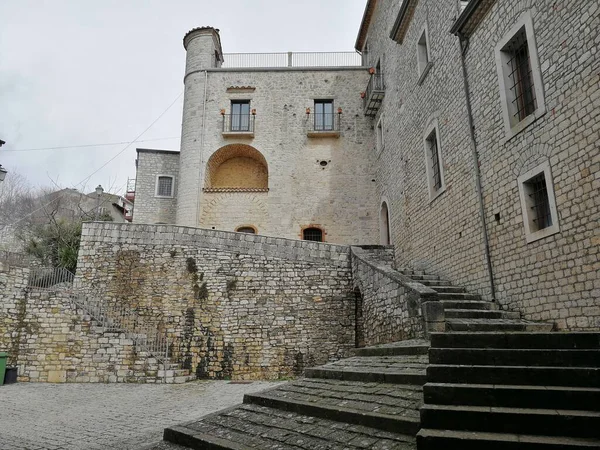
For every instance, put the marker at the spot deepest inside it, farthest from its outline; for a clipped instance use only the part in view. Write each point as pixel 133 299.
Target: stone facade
pixel 149 207
pixel 557 277
pixel 443 94
pixel 236 305
pixel 304 174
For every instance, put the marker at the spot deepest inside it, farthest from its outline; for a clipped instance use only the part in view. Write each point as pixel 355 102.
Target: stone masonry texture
pixel 556 278
pixel 236 305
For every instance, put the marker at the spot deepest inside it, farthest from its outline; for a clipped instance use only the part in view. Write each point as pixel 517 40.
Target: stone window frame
pixel 531 234
pixel 513 126
pixel 433 128
pixel 423 50
pixel 159 176
pixel 380 134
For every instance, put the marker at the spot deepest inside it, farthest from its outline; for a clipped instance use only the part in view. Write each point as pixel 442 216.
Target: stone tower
pixel 203 46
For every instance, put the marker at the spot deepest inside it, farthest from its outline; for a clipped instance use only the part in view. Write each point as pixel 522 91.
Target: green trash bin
pixel 3 356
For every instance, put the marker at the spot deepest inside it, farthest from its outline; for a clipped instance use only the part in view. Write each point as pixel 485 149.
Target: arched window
pixel 312 234
pixel 384 225
pixel 246 229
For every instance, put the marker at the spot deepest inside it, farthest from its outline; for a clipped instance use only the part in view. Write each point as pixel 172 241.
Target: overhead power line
pixel 106 144
pixel 86 179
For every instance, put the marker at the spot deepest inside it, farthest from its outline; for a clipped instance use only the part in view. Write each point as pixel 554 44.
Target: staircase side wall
pixel 235 305
pixel 49 340
pixel 391 311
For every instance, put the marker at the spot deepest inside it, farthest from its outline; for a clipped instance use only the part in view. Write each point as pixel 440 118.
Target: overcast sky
pixel 78 72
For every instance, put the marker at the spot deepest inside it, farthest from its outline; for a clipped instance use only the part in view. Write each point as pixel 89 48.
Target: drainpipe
pixel 488 258
pixel 202 134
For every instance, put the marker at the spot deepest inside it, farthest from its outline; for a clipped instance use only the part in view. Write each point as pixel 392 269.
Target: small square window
pixel 537 203
pixel 433 159
pixel 324 117
pixel 164 186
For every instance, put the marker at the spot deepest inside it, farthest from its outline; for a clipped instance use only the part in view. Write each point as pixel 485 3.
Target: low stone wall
pixel 394 307
pixel 235 305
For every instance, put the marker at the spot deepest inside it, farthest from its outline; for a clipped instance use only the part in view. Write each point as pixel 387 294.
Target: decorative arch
pixel 384 224
pixel 237 168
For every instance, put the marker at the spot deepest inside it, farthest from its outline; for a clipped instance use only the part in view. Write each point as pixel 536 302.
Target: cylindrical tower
pixel 203 46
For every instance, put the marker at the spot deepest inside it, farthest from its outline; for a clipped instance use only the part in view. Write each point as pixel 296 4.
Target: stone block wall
pixel 390 305
pixel 557 277
pixel 148 207
pixel 442 235
pixel 236 305
pixel 50 340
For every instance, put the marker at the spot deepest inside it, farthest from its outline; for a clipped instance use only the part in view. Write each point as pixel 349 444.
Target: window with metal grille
pixel 248 230
pixel 164 186
pixel 324 115
pixel 520 76
pixel 240 115
pixel 434 161
pixel 313 234
pixel 538 199
pixel 538 204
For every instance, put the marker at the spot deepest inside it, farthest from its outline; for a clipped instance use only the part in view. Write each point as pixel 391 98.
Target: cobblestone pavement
pixel 106 416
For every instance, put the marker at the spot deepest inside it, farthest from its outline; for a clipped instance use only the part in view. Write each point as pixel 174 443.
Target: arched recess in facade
pixel 237 167
pixel 384 224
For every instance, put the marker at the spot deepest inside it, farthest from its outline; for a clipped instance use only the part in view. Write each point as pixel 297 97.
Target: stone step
pixel 457 296
pixel 257 427
pixel 469 304
pixel 515 357
pixel 425 277
pixel 401 369
pixel 546 422
pixel 433 283
pixel 449 289
pixel 583 340
pixel 388 407
pixel 480 314
pixel 514 375
pixel 409 347
pixel 496 325
pixel 428 439
pixel 550 397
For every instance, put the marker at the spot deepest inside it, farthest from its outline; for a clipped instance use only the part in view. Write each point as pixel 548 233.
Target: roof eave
pixel 364 25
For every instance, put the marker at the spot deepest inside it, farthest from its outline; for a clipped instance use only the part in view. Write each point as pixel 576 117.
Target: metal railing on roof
pixel 292 59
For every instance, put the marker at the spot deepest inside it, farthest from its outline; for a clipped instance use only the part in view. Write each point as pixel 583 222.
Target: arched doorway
pixel 384 225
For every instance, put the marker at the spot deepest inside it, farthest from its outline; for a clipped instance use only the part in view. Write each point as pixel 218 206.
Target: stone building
pixel 465 134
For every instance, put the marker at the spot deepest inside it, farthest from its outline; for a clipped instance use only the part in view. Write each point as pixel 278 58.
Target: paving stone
pixel 35 416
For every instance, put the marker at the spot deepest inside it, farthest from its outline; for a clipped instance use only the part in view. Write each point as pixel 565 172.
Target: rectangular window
pixel 422 52
pixel 164 186
pixel 240 115
pixel 324 115
pixel 538 204
pixel 380 134
pixel 520 77
pixel 434 162
pixel 434 157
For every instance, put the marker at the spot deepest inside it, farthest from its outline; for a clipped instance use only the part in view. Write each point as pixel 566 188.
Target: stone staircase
pixel 371 400
pixel 468 312
pixel 512 391
pixel 492 380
